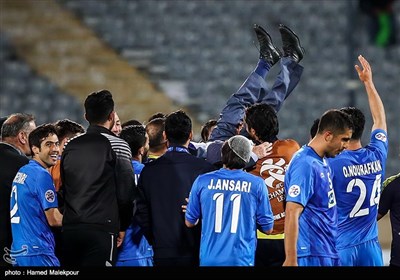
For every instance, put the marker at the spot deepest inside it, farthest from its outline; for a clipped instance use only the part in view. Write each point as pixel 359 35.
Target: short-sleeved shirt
pixel 135 245
pixel 308 182
pixel 230 203
pixel 32 194
pixel 357 179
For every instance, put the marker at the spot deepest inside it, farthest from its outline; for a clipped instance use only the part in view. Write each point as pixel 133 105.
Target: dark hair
pixel 358 120
pixel 131 122
pixel 98 106
pixel 335 121
pixel 37 135
pixel 156 116
pixel 230 159
pixel 135 136
pixel 178 127
pixel 155 129
pixel 15 123
pixel 206 129
pixel 314 128
pixel 263 119
pixel 66 128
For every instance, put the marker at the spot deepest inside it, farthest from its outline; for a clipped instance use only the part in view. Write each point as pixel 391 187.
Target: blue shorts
pixel 317 261
pixel 365 254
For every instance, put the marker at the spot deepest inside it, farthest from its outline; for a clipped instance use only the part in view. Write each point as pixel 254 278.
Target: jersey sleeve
pixel 379 142
pixel 264 216
pixel 298 182
pixel 46 191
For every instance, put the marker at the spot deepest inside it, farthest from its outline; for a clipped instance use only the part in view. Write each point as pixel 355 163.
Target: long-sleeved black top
pixel 163 186
pixel 98 181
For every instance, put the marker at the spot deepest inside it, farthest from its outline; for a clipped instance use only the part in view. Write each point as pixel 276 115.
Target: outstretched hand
pixel 263 149
pixel 365 74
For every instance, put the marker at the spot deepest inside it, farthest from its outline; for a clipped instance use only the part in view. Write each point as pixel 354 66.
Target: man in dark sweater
pixel 164 184
pixel 98 183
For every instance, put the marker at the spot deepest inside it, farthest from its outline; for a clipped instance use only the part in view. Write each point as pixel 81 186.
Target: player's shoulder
pixel 287 142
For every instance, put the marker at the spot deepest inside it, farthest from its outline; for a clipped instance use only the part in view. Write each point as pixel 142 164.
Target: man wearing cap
pixel 232 205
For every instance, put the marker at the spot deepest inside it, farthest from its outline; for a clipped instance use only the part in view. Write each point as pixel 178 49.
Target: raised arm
pixel 374 100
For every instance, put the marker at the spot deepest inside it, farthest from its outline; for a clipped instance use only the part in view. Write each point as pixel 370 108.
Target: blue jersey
pixel 32 194
pixel 137 168
pixel 230 204
pixel 308 182
pixel 357 180
pixel 135 245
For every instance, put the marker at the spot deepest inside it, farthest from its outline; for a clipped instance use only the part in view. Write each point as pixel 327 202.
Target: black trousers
pixel 88 247
pixel 270 252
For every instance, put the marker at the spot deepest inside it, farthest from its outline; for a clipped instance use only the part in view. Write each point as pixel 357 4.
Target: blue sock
pixel 262 68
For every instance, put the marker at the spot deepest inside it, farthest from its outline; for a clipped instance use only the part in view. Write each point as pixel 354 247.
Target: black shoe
pixel 268 52
pixel 291 44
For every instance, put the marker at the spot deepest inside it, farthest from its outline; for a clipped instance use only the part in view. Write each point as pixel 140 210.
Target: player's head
pixel 44 145
pixel 99 108
pixel 236 152
pixel 137 139
pixel 358 119
pixel 334 129
pixel 262 122
pixel 207 128
pixel 155 129
pixel 131 122
pixel 178 128
pixel 66 129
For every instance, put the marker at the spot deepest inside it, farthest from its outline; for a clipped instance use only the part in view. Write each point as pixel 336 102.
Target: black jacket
pixel 11 160
pixel 98 181
pixel 163 186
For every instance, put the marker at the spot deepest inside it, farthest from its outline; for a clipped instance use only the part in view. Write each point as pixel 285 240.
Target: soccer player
pixel 231 204
pixel 135 250
pixel 357 178
pixel 66 130
pixel 33 204
pixel 311 214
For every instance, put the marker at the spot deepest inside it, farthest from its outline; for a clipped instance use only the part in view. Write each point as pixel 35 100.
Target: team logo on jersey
pixel 49 195
pixel 381 137
pixel 294 191
pixel 331 199
pixel 273 171
pixel 10 255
